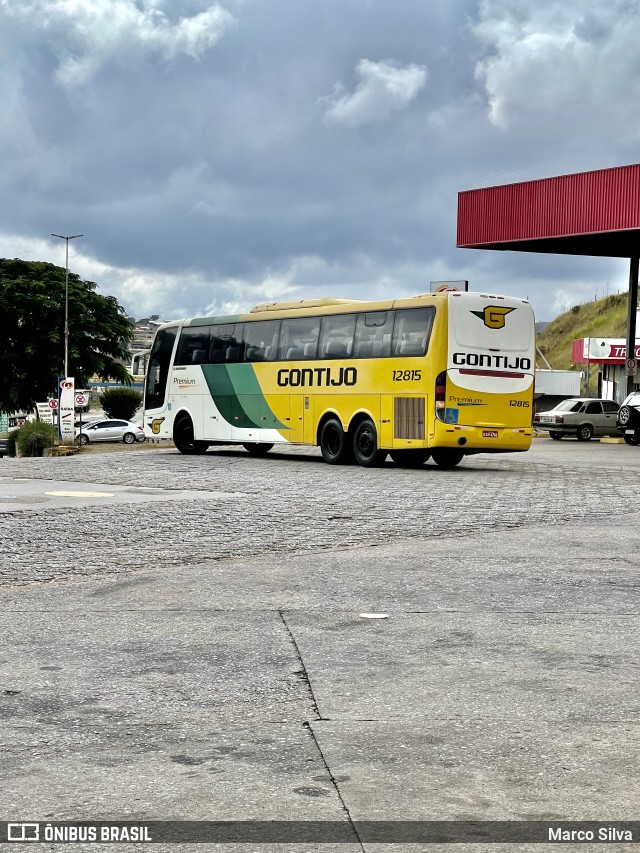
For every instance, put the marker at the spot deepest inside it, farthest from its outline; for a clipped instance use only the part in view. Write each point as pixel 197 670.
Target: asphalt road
pixel 191 639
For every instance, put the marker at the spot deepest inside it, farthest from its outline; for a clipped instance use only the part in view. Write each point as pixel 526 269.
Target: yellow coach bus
pixel 437 376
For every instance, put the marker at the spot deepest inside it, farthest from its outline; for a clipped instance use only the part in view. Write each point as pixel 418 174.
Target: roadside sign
pixel 53 404
pixel 631 366
pixel 45 412
pixel 66 409
pixel 81 399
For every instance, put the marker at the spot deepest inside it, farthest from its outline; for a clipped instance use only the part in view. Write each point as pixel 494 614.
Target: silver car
pixel 110 430
pixel 582 417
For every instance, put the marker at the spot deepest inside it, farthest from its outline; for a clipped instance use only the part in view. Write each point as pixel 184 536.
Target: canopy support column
pixel 632 308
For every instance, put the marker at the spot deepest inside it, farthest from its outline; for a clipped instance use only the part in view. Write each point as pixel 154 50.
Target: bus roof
pixel 329 305
pixel 303 303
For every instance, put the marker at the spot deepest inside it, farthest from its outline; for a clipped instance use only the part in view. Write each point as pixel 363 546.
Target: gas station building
pixel 588 213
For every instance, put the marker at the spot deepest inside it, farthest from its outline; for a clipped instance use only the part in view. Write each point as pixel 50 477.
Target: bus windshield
pixel 158 370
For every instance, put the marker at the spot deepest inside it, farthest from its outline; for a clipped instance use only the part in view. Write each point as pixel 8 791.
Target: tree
pixel 32 297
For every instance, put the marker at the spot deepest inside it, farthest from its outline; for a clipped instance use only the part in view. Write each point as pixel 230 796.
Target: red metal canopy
pixel 588 213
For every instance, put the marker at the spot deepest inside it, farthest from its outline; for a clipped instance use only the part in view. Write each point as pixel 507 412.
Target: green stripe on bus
pixel 237 394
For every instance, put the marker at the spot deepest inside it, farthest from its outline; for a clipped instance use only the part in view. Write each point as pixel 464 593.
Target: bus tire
pixel 259 449
pixel 411 458
pixel 333 443
pixel 365 445
pixel 184 437
pixel 446 457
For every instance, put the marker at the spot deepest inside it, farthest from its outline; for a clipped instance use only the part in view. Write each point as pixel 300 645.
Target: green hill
pixel 603 318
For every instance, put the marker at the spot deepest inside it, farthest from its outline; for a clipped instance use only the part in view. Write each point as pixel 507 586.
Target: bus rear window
pixel 490 323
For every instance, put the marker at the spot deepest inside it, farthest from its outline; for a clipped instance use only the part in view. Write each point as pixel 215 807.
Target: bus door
pixel 298 408
pixel 254 411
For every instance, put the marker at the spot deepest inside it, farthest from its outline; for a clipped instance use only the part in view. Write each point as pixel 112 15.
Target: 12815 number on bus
pixel 407 375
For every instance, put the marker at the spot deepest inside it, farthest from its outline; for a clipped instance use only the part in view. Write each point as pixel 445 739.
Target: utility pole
pixel 66 300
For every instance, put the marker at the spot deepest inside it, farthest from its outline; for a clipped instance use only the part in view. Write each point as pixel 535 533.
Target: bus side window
pixel 373 334
pixel 336 336
pixel 260 340
pixel 411 331
pixel 299 338
pixel 193 347
pixel 226 343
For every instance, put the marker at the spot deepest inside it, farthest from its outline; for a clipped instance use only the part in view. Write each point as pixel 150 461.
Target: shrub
pixel 11 442
pixel 32 438
pixel 120 403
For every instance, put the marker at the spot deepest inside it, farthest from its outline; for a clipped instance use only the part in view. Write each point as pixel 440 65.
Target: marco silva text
pixel 603 833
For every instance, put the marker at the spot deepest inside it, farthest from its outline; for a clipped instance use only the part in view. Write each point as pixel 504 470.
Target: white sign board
pixel 45 412
pixel 66 410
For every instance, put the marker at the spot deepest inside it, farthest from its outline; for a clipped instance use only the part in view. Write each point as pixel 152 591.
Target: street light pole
pixel 66 300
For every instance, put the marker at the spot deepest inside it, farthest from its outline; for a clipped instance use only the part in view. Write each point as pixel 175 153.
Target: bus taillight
pixel 441 394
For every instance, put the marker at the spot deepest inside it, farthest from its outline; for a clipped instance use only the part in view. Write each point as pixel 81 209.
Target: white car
pixel 629 418
pixel 109 430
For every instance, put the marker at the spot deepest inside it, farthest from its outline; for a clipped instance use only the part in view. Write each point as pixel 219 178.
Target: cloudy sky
pixel 216 155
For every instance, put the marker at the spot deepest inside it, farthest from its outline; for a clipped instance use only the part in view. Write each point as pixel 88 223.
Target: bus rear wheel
pixel 333 443
pixel 365 445
pixel 259 449
pixel 184 437
pixel 412 458
pixel 445 457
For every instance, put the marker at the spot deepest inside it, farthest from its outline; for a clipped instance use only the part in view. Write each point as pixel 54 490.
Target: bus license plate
pixel 489 433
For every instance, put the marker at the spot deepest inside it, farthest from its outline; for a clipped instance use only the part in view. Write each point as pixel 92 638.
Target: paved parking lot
pixel 188 638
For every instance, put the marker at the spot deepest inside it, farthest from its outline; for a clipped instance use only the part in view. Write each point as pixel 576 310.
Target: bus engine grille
pixel 408 417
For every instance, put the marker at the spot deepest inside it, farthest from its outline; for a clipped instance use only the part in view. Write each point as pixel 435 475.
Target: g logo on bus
pixel 493 316
pixel 155 425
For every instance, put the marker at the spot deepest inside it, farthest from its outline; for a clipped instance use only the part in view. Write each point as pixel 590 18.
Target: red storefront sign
pixel 601 351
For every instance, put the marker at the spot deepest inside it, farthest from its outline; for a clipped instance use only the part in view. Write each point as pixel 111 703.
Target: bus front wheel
pixel 259 449
pixel 333 443
pixel 445 457
pixel 184 438
pixel 365 445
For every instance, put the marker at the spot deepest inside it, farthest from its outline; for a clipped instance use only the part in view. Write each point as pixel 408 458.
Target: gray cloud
pixel 382 90
pixel 86 36
pixel 206 155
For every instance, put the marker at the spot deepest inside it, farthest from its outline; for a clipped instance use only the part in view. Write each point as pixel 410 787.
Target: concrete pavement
pixel 212 661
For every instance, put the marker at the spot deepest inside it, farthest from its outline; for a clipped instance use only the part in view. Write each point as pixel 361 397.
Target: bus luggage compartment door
pixel 405 419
